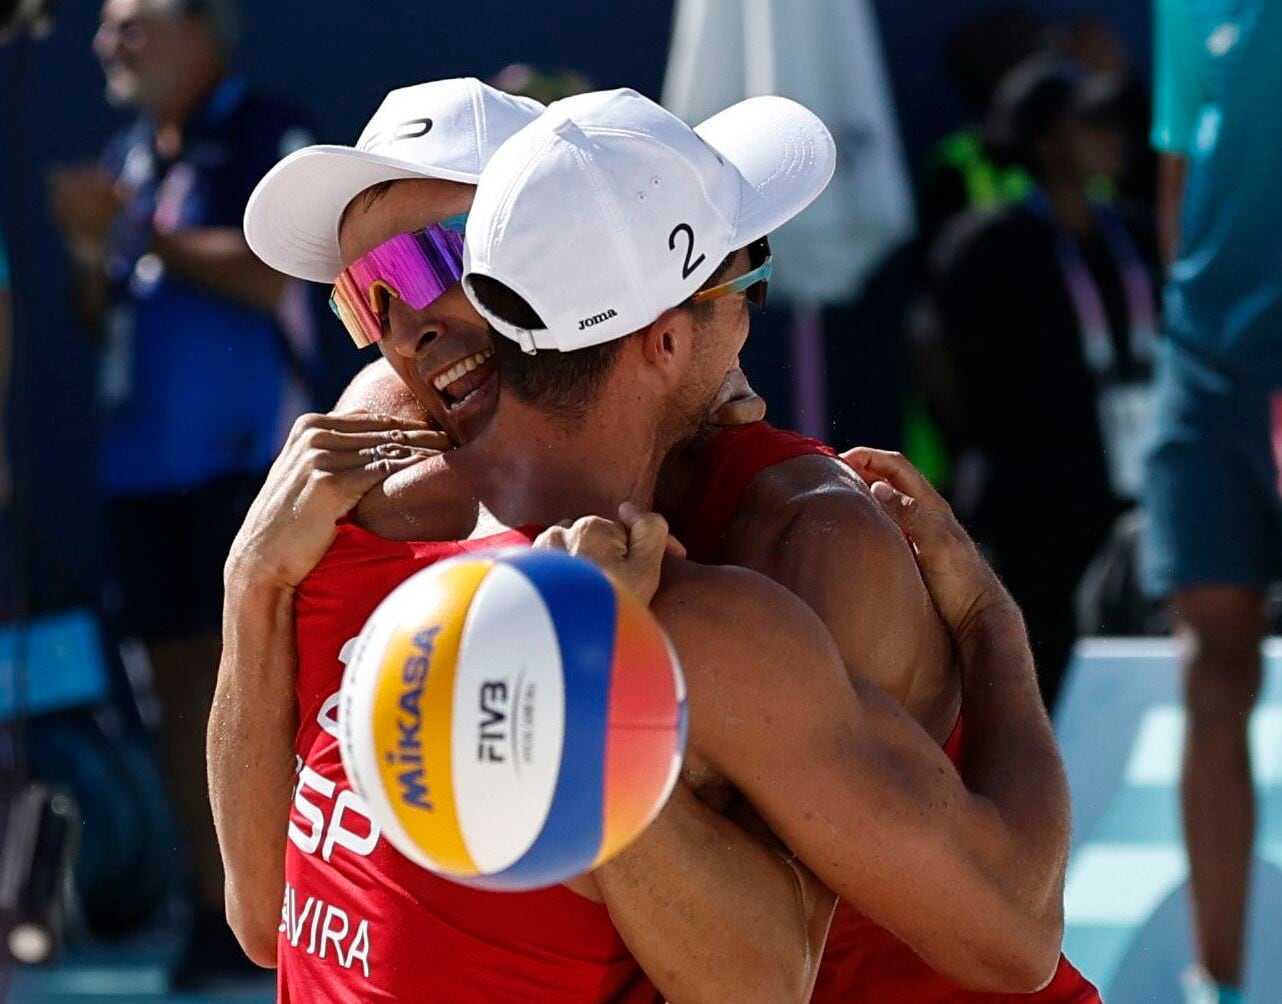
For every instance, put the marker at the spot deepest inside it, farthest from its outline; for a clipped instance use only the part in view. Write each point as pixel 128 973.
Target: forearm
pixel 88 293
pixel 1011 757
pixel 219 261
pixel 252 725
pixel 712 914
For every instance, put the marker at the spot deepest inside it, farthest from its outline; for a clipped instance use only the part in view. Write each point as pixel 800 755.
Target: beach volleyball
pixel 513 718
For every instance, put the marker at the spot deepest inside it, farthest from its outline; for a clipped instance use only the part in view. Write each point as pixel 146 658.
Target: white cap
pixel 607 210
pixel 444 129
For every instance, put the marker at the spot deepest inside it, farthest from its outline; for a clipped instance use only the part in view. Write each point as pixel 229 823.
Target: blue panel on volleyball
pixel 581 603
pixel 50 664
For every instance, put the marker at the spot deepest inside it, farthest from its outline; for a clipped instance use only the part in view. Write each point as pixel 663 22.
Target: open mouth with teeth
pixel 459 382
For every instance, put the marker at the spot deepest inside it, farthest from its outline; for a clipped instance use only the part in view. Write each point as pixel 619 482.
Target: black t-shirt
pixel 1000 304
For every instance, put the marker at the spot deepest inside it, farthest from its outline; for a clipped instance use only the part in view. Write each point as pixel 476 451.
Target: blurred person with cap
pixel 1036 338
pixel 204 364
pixel 1212 494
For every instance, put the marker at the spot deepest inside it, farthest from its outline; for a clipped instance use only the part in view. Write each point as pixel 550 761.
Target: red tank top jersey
pixel 861 961
pixel 360 922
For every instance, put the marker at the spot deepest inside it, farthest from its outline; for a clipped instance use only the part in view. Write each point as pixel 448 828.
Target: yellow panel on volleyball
pixel 412 717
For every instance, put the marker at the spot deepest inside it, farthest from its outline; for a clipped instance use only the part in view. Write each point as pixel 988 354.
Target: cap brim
pixel 784 152
pixel 291 221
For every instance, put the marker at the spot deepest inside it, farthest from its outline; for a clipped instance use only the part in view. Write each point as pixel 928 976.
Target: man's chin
pixel 122 94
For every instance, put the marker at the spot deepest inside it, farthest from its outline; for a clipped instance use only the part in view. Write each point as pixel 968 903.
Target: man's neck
pixel 531 467
pixel 171 115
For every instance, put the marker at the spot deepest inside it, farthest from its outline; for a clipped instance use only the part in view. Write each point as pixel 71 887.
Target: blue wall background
pixel 338 59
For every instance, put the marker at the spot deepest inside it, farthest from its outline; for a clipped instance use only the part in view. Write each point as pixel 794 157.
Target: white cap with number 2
pixel 607 210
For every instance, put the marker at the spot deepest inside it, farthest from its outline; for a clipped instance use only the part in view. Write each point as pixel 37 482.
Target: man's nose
pixel 106 40
pixel 410 334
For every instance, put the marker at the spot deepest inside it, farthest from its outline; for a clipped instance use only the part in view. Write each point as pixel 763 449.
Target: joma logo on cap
pixel 596 319
pixel 410 129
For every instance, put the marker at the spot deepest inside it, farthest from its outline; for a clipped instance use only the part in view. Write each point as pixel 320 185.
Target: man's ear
pixel 666 342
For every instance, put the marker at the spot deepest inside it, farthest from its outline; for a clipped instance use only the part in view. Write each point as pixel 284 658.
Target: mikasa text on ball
pixel 512 718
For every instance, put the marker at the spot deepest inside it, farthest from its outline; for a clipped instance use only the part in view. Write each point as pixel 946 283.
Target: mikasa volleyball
pixel 513 718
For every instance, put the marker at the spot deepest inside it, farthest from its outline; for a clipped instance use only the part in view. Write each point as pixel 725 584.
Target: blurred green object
pixel 924 446
pixel 987 184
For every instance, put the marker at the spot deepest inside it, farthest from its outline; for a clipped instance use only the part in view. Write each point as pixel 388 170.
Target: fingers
pixel 338 461
pixel 353 422
pixel 900 507
pixel 883 465
pixel 329 439
pixel 647 534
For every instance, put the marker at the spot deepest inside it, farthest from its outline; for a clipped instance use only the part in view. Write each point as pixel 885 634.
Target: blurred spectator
pixel 205 362
pixel 959 172
pixel 1095 43
pixel 1036 340
pixel 1212 491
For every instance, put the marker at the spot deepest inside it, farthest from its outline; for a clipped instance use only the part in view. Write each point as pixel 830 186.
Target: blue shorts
pixel 1211 487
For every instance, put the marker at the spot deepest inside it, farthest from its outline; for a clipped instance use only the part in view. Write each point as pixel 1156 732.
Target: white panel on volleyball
pixel 509 720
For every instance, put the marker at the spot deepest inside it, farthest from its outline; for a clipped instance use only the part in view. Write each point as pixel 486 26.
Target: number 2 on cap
pixel 689 266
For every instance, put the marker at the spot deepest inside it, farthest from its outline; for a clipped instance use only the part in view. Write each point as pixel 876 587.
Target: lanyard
pixel 1084 293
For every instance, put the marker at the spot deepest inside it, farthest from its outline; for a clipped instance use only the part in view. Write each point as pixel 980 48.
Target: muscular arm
pixel 971 879
pixel 251 757
pixel 328 463
pixel 218 260
pixel 712 914
pixel 708 902
pixel 811 525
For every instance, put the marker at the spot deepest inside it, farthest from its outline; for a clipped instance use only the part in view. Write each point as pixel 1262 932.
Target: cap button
pixel 562 125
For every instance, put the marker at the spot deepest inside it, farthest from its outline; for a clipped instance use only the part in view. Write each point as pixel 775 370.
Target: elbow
pixel 1027 961
pixel 256 930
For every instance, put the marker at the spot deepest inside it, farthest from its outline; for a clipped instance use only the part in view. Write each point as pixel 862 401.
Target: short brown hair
pixel 561 382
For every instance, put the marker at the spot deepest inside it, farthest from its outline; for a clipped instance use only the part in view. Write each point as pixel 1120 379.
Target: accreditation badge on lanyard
pixel 1124 404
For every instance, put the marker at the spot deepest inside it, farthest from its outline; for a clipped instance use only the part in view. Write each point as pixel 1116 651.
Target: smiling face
pixel 442 353
pixel 145 50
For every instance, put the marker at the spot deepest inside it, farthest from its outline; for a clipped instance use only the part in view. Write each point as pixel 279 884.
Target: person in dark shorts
pixel 205 362
pixel 1212 495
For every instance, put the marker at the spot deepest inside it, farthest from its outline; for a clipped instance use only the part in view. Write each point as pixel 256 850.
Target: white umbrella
pixel 825 54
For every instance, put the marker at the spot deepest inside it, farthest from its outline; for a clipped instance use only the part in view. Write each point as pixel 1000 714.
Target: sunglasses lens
pixel 416 268
pixel 354 311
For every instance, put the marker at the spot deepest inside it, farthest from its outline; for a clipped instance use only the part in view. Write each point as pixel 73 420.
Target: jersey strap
pixel 726 468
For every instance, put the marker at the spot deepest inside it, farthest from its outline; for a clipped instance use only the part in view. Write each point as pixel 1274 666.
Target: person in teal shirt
pixel 1214 541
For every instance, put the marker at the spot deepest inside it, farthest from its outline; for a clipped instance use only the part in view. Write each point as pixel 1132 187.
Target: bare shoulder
pixel 812 525
pixel 730 621
pixel 815 486
pixel 377 388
